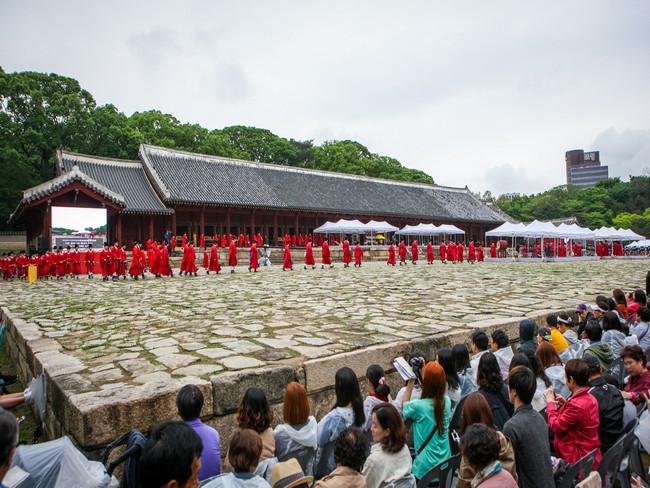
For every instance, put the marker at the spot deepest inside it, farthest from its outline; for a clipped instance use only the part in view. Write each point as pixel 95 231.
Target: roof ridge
pixel 97 159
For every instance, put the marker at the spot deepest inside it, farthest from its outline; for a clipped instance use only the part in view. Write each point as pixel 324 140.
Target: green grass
pixel 28 427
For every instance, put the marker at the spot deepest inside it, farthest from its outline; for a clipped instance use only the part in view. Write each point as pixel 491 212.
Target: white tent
pixel 629 235
pixel 637 244
pixel 419 230
pixel 607 234
pixel 342 226
pixel 374 226
pixel 449 229
pixel 507 229
pixel 326 228
pixel 540 229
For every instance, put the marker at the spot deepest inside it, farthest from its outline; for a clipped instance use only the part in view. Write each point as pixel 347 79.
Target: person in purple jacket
pixel 189 403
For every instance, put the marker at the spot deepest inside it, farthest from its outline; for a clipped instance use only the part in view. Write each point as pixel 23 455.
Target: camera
pixel 416 363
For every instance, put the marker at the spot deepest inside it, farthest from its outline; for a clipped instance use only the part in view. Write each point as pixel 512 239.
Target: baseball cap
pixel 593 362
pixel 545 333
pixel 581 308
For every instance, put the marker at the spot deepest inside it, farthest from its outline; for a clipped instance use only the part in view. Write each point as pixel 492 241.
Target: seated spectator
pixel 189 403
pixel 8 442
pixel 390 459
pixel 564 324
pixel 299 428
pixel 171 457
pixel 502 351
pixel 639 300
pixel 638 383
pixel 613 334
pixel 553 368
pixel 350 455
pixel 584 314
pixel 528 432
pixel 480 345
pixel 642 328
pixel 574 421
pixel 600 309
pixel 542 382
pixel 477 411
pixel 480 448
pixel 463 369
pixel 378 388
pixel 446 360
pixel 610 405
pixel 244 452
pixel 596 347
pixel 621 302
pixel 558 341
pixel 431 415
pixel 289 474
pixel 347 412
pixel 612 307
pixel 527 339
pixel 11 400
pixel 492 387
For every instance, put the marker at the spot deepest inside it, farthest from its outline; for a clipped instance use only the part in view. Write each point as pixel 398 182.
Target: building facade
pixel 584 169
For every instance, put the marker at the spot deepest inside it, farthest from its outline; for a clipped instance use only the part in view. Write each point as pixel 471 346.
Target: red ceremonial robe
pixel 309 256
pixel 358 255
pixel 326 257
pixel 599 249
pixel 430 255
pixel 493 250
pixel 260 242
pixel 122 262
pixel 286 263
pixel 347 257
pixel 391 255
pixel 293 240
pixel 300 242
pixel 253 257
pixel 163 262
pixel 232 254
pixel 76 262
pixel 414 251
pixel 223 240
pixel 115 260
pixel 214 260
pixel 186 258
pixel 451 252
pixel 241 240
pixel 480 254
pixel 104 260
pixel 206 260
pixel 135 269
pixel 191 260
pixel 401 250
pixel 248 241
pixel 443 252
pixel 202 241
pixel 460 253
pixel 184 241
pixel 173 245
pixel 471 252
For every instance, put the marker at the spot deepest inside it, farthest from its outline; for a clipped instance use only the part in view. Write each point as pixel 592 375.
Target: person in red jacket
pixel 443 252
pixel 206 261
pixel 347 256
pixel 638 384
pixel 104 262
pixel 135 270
pixel 232 256
pixel 574 421
pixel 460 252
pixel 162 260
pixel 430 255
pixel 76 261
pixel 479 254
pixel 471 252
pixel 214 260
pixel 451 252
pixel 184 240
pixel 401 251
pixel 115 260
pixel 191 260
pixel 287 263
pixel 309 257
pixel 202 241
pixel 414 252
pixel 358 255
pixel 253 257
pixel 326 257
pixel 391 255
pixel 493 250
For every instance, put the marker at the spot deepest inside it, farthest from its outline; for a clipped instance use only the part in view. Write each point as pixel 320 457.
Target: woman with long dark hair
pixel 446 360
pixel 379 391
pixel 431 415
pixel 553 368
pixel 347 411
pixel 463 369
pixel 491 386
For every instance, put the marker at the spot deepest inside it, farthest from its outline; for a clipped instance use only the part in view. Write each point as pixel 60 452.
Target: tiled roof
pixel 125 178
pixel 183 177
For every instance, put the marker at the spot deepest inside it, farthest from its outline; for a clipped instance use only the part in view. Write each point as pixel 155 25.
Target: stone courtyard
pixel 104 338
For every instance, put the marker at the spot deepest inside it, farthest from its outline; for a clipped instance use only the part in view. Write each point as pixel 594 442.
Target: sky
pixel 485 94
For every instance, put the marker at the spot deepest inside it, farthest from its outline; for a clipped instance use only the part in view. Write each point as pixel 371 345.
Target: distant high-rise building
pixel 583 169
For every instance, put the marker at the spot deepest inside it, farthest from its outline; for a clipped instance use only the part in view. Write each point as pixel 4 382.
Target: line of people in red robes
pixel 450 252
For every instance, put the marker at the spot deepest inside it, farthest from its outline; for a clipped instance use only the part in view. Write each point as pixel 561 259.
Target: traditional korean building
pixel 195 193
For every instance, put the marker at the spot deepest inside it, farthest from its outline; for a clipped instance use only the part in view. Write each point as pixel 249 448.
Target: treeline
pixel 41 112
pixel 611 202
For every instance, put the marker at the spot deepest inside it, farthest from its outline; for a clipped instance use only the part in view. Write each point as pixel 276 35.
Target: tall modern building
pixel 583 169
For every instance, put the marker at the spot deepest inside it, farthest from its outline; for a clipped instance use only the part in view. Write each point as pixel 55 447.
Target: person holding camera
pixel 431 415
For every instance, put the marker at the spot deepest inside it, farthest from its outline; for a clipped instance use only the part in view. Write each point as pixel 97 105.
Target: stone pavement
pixel 137 332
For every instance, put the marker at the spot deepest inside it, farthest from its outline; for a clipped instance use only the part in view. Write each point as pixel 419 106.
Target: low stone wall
pixel 13 241
pixel 94 419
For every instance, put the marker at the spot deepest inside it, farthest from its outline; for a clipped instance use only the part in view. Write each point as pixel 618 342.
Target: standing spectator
pixel 171 457
pixel 610 405
pixel 639 382
pixel 350 455
pixel 527 339
pixel 379 391
pixel 492 387
pixel 390 459
pixel 480 448
pixel 431 415
pixel 596 347
pixel 189 402
pixel 299 428
pixel 528 432
pixel 502 351
pixel 574 421
pixel 347 412
pixel 642 328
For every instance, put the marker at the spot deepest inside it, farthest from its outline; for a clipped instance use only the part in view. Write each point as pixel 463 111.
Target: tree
pixel 261 145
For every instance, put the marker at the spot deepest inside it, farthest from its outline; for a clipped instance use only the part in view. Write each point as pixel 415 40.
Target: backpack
pixel 135 441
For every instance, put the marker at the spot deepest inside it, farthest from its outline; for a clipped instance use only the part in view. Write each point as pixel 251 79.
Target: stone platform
pixel 117 353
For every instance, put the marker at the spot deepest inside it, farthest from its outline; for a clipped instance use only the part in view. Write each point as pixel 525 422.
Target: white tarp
pixel 420 230
pixel 629 235
pixel 507 229
pixel 342 226
pixel 540 229
pixel 374 226
pixel 450 229
pixel 638 244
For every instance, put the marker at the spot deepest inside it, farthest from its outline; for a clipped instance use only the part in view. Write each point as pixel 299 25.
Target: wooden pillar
pixel 151 231
pixel 275 228
pixel 119 228
pixel 253 223
pixel 47 225
pixel 296 226
pixel 202 220
pixel 228 222
pixel 174 223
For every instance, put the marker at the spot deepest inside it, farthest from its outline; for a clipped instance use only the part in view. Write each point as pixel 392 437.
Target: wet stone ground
pixel 134 332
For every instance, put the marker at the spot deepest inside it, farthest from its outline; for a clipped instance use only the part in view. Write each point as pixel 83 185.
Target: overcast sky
pixel 484 94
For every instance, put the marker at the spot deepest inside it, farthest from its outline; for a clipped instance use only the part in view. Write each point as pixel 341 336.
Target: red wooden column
pixel 296 226
pixel 119 228
pixel 174 223
pixel 228 222
pixel 151 230
pixel 202 220
pixel 47 225
pixel 275 229
pixel 252 223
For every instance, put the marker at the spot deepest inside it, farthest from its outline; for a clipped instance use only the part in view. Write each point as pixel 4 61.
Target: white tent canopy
pixel 374 226
pixel 450 229
pixel 540 229
pixel 637 244
pixel 341 226
pixel 629 235
pixel 420 230
pixel 507 229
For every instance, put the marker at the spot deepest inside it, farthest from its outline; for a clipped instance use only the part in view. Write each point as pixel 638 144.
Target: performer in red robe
pixel 21 265
pixel 606 249
pixel 206 261
pixel 223 241
pixel 347 257
pixel 451 252
pixel 202 241
pixel 326 257
pixel 232 256
pixel 248 241
pixel 147 245
pixel 67 261
pixel 358 255
pixel 184 241
pixel 493 250
pixel 293 240
pixel 287 240
pixel 599 249
pixel 471 252
pixel 185 260
pixel 287 263
pixel 123 261
pixel 479 253
pixel 191 260
pixel 414 252
pixel 300 241
pixel 163 267
pixel 90 262
pixel 214 260
pixel 135 269
pixel 115 260
pixel 443 252
pixel 460 251
pixel 401 250
pixel 253 257
pixel 391 255
pixel 309 257
pixel 578 250
pixel 104 262
pixel 215 240
pixel 260 241
pixel 241 240
pixel 430 255
pixel 173 245
pixel 76 261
